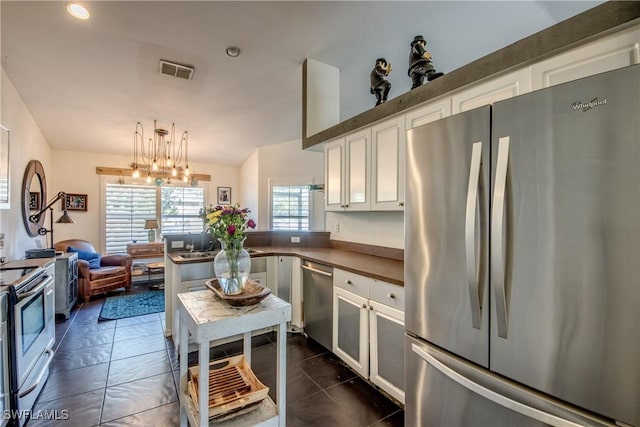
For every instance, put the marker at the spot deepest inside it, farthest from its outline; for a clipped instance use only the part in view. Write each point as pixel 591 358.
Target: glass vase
pixel 232 266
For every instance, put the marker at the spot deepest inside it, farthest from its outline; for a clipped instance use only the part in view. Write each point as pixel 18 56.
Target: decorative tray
pixel 232 386
pixel 252 294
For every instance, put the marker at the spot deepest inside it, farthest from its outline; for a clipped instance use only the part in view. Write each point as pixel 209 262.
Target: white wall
pixel 283 163
pixel 75 172
pixel 249 176
pixel 370 228
pixel 27 143
pixel 72 172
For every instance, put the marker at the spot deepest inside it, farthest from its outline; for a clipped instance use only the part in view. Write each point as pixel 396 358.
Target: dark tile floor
pixel 124 373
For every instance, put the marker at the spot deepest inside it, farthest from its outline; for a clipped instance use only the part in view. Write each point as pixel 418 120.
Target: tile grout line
pixel 106 384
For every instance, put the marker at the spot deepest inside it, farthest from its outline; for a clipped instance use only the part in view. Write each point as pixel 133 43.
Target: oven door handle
pixel 41 285
pixel 34 386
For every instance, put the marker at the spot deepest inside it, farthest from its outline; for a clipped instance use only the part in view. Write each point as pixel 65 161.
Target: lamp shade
pixel 65 218
pixel 150 224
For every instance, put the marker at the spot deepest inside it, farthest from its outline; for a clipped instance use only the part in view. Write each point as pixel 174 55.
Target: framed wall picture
pixel 224 195
pixel 75 202
pixel 34 201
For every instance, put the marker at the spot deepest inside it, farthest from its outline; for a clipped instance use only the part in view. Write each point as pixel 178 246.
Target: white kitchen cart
pixel 206 318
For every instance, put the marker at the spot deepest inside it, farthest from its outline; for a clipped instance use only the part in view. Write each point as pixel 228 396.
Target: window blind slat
pixel 290 207
pixel 127 207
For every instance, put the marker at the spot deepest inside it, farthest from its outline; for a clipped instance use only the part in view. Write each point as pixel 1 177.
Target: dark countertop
pixel 384 269
pixel 553 40
pixel 26 263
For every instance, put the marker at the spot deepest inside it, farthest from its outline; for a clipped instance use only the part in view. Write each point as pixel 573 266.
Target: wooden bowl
pixel 252 293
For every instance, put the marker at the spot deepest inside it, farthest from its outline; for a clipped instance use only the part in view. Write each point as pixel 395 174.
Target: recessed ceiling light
pixel 233 51
pixel 78 10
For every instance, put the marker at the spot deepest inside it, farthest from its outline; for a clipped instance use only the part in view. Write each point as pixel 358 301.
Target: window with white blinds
pixel 180 209
pixel 126 208
pixel 290 207
pixel 128 205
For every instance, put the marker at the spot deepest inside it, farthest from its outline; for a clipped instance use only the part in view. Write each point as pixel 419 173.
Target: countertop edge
pixel 379 268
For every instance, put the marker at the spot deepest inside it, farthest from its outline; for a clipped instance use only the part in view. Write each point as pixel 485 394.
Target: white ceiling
pixel 87 83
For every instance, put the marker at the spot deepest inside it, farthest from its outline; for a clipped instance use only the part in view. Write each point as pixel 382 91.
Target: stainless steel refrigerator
pixel 522 260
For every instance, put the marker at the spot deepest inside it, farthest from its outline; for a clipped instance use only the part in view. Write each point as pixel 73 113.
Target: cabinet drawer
pixel 353 283
pixel 387 294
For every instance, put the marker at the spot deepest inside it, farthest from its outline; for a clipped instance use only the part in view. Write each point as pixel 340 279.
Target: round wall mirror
pixel 34 196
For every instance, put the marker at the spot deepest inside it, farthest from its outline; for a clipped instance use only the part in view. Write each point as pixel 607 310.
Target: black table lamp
pixel 64 219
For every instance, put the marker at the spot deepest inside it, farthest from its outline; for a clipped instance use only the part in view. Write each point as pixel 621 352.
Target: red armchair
pixel 114 271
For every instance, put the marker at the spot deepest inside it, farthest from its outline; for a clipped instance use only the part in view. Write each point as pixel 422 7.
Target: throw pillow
pixel 92 257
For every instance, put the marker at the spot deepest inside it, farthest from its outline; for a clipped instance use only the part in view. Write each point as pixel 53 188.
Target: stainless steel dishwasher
pixel 317 302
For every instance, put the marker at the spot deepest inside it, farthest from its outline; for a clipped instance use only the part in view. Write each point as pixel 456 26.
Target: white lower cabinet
pixel 351 330
pixel 368 329
pixel 386 338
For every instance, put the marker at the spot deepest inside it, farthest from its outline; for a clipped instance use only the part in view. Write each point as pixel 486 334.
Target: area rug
pixel 131 305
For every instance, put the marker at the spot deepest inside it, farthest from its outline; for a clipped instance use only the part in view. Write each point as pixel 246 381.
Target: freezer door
pixel 446 238
pixel 565 236
pixel 444 390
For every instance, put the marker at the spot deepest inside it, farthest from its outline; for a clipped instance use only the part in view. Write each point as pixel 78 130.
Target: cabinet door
pixel 388 148
pixel 73 281
pixel 612 52
pixel 358 171
pixel 334 161
pixel 428 113
pixel 351 330
pixel 494 90
pixel 283 280
pixel 387 349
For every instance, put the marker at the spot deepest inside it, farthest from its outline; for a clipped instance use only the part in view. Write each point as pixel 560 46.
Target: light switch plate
pixel 295 239
pixel 177 244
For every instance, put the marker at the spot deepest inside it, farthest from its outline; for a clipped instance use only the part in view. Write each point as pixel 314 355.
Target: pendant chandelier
pixel 161 156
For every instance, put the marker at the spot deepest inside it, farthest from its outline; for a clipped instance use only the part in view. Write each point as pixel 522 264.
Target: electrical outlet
pixel 176 244
pixel 336 227
pixel 1 240
pixel 295 239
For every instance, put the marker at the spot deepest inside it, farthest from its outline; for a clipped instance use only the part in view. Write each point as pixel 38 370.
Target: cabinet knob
pixel 401 204
pixel 364 306
pixel 348 282
pixel 391 295
pixel 370 308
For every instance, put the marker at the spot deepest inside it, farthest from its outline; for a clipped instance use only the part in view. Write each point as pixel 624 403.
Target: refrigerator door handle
pixel 491 395
pixel 497 237
pixel 473 278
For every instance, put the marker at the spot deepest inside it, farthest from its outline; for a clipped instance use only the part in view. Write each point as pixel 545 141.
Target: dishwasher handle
pixel 315 270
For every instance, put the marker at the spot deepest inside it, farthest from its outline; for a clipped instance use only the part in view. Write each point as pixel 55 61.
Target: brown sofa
pixel 114 271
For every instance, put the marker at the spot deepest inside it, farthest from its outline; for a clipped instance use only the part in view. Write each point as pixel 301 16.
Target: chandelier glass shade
pixel 162 156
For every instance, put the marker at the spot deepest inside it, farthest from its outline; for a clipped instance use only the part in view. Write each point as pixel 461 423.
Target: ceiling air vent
pixel 176 70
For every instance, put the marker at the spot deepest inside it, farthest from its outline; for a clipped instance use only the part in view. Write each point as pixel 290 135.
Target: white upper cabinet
pixel 428 113
pixel 388 151
pixel 609 53
pixel 334 173
pixel 494 90
pixel 348 172
pixel 358 171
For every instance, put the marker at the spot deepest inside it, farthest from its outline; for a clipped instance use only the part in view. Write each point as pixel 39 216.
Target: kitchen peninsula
pixel 186 274
pixel 360 304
